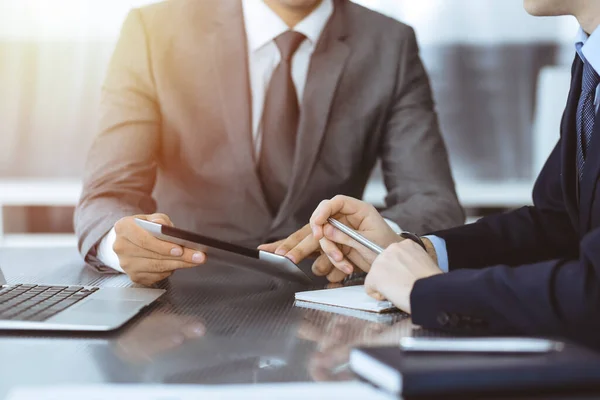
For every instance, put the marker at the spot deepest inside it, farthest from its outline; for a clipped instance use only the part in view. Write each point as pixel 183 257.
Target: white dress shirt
pixel 588 49
pixel 263 26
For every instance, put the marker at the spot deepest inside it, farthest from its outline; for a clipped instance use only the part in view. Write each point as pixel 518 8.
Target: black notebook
pixel 435 374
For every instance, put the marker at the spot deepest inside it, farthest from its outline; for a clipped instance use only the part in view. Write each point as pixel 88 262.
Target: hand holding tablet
pixel 237 256
pixel 145 259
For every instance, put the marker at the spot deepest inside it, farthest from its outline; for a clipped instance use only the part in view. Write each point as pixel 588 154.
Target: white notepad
pixel 380 318
pixel 351 297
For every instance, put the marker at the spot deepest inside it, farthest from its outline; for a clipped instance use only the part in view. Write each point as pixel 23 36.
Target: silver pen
pixel 356 236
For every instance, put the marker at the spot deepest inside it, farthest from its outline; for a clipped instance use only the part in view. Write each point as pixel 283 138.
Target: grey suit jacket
pixel 175 130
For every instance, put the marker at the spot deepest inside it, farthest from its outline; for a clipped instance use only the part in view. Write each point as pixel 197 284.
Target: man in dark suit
pixel 234 118
pixel 533 271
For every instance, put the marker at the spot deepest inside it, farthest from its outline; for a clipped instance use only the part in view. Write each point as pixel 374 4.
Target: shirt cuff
pixel 106 254
pixel 395 227
pixel 441 252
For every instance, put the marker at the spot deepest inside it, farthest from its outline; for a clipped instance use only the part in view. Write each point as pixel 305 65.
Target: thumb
pixel 162 219
pixel 372 292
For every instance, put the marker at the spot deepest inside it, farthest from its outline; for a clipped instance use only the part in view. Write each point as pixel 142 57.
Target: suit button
pixel 480 323
pixel 443 318
pixel 466 322
pixel 454 320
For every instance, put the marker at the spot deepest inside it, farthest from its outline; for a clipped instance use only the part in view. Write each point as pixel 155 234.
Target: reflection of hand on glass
pixel 330 366
pixel 336 335
pixel 329 330
pixel 157 334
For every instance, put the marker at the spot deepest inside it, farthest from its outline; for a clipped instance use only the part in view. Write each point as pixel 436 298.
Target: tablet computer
pixel 254 259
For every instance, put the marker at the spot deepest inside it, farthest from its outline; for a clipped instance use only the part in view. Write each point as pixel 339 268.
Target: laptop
pixel 70 308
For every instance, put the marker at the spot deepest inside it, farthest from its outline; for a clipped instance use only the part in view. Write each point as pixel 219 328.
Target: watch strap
pixel 414 238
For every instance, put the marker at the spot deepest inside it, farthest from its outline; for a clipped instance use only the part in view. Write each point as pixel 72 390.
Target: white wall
pixel 64 19
pixel 474 21
pixel 463 21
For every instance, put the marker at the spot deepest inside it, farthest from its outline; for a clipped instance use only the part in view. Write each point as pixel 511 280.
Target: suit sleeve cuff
pixel 441 251
pixel 395 227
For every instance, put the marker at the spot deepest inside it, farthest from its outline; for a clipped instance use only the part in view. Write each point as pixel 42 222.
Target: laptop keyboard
pixel 38 302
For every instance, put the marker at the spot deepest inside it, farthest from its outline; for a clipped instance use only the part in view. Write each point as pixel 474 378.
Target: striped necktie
pixel 586 115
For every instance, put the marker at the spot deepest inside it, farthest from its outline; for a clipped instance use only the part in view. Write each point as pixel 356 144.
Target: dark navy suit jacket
pixel 532 271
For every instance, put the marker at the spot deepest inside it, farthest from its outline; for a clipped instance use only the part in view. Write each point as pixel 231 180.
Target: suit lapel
pixel 590 178
pixel 326 68
pixel 569 136
pixel 230 59
pixel 586 188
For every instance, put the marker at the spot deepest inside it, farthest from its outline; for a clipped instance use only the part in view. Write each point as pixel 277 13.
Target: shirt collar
pixel 263 25
pixel 588 47
pixel 580 40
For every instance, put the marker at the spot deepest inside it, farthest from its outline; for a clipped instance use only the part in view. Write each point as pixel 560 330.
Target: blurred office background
pixel 499 77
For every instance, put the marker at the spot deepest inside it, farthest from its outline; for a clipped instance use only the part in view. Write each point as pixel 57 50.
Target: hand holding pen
pixel 360 245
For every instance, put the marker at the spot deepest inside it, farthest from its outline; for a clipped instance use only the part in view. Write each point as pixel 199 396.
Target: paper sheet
pixel 351 297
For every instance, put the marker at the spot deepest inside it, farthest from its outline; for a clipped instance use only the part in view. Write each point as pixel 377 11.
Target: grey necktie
pixel 586 114
pixel 280 125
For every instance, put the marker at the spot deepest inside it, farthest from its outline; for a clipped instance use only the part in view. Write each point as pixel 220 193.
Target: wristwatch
pixel 414 238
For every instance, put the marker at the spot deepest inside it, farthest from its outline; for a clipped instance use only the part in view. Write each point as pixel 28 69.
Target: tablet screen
pixel 218 244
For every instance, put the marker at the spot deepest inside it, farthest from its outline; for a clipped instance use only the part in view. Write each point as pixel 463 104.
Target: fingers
pixel 326 209
pixel 336 276
pixel 296 247
pixel 332 250
pixel 146 259
pixel 271 247
pixel 371 283
pixel 148 278
pixel 294 240
pixel 344 205
pixel 357 259
pixel 336 257
pixel 306 248
pixel 124 247
pixel 128 231
pixel 372 291
pixel 365 256
pixel 322 266
pixel 145 240
pixel 162 219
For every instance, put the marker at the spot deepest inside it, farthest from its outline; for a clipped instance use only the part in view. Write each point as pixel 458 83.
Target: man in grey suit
pixel 235 118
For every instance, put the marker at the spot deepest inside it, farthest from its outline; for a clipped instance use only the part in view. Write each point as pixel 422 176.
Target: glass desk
pixel 215 325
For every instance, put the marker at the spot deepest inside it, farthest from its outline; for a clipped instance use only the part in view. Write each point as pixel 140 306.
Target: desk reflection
pixel 185 349
pixel 215 325
pixel 335 336
pixel 156 334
